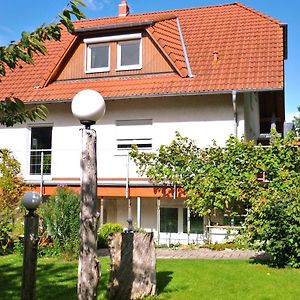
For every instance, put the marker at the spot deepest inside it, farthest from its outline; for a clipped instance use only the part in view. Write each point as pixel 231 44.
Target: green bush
pixel 6 226
pixel 105 231
pixel 60 214
pixel 11 191
pixel 273 225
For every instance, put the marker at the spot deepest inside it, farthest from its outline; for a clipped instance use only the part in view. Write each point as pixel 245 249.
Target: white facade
pixel 201 118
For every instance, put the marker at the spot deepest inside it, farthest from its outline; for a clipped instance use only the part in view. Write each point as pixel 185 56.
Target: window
pixel 196 222
pixel 97 57
pixel 134 132
pixel 168 219
pixel 129 55
pixel 40 150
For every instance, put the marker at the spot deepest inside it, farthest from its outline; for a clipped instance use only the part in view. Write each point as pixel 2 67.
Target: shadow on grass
pixel 55 280
pixel 10 281
pixel 163 279
pixel 262 259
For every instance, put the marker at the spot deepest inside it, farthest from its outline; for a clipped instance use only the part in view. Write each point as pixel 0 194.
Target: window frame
pixel 31 151
pixel 121 67
pixel 88 58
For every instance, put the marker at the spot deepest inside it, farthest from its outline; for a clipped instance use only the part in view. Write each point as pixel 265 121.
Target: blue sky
pixel 18 16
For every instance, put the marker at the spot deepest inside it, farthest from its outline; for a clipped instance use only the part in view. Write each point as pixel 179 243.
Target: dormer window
pixel 97 57
pixel 122 52
pixel 129 55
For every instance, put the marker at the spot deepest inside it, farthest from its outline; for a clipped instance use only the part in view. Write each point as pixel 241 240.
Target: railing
pixel 39 158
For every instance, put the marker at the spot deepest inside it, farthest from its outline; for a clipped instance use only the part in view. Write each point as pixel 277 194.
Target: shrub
pixel 60 214
pixel 11 190
pixel 6 226
pixel 105 231
pixel 273 225
pixel 11 185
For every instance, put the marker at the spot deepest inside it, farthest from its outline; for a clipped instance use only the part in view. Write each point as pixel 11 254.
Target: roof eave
pixel 114 26
pixel 196 93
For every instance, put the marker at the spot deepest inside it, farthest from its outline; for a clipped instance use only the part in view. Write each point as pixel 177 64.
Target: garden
pixel 217 181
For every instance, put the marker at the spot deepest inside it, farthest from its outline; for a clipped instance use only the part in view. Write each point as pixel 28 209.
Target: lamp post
pixel 88 106
pixel 31 201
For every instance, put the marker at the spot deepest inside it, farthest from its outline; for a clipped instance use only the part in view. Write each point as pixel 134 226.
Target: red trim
pixel 120 191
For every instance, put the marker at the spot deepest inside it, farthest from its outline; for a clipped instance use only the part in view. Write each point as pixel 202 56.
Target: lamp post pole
pixel 31 201
pixel 88 106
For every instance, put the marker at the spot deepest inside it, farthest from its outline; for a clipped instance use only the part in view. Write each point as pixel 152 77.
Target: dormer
pixel 127 45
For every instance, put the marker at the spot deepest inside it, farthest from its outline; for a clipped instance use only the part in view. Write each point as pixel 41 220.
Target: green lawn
pixel 177 279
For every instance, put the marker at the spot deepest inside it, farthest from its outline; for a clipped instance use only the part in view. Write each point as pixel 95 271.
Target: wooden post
pixel 88 266
pixel 31 224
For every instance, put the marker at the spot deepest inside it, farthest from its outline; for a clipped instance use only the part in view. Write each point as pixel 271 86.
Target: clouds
pixel 97 4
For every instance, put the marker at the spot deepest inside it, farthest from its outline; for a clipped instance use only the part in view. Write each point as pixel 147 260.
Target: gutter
pixel 225 92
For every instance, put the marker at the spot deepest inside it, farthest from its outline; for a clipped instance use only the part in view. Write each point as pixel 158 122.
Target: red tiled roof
pixel 166 34
pixel 249 49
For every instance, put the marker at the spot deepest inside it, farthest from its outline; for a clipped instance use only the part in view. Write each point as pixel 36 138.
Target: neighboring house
pixel 206 72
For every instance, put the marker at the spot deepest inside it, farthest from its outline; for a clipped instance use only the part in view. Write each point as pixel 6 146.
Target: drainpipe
pixel 235 119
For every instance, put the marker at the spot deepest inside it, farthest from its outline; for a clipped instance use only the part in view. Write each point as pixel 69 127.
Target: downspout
pixel 235 116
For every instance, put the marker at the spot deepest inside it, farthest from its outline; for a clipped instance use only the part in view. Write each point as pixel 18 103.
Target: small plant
pixel 60 214
pixel 105 231
pixel 6 226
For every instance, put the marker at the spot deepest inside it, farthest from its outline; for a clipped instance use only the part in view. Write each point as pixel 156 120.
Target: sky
pixel 19 15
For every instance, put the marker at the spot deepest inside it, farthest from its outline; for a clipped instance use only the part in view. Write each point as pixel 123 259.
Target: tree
pixel 224 179
pixel 215 179
pixel 273 222
pixel 13 110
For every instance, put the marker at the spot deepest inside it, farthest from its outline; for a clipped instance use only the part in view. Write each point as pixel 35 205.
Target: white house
pixel 206 72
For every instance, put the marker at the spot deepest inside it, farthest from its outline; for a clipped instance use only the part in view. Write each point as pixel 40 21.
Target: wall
pixel 251 112
pixel 201 118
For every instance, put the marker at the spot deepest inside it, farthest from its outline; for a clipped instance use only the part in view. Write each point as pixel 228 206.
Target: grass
pixel 176 279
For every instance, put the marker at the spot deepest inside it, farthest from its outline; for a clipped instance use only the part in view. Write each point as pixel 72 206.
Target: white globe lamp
pixel 88 107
